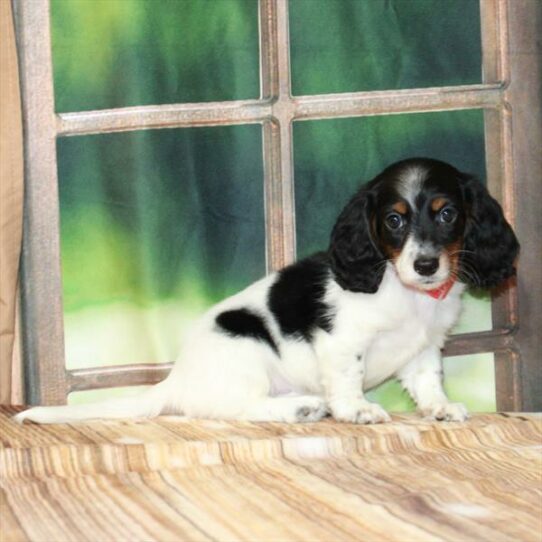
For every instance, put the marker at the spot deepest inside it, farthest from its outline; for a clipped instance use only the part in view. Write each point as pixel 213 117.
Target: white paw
pixel 312 410
pixel 359 411
pixel 446 412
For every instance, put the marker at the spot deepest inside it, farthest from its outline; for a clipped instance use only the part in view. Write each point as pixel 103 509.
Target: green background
pixel 157 225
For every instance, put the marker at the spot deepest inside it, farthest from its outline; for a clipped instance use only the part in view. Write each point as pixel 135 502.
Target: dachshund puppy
pixel 313 337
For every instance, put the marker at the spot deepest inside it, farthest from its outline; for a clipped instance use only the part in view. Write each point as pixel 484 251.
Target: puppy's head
pixel 431 221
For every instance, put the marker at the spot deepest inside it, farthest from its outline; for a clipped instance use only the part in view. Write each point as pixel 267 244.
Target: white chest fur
pixel 398 324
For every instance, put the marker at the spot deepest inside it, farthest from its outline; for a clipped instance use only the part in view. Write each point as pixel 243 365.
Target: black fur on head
pixel 489 246
pixel 356 261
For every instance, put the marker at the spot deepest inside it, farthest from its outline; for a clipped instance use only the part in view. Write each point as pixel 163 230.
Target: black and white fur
pixel 313 337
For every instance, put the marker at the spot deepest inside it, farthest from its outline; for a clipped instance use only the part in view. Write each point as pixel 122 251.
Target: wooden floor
pixel 173 480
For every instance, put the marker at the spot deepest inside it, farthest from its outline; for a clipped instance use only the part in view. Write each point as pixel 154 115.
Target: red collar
pixel 442 291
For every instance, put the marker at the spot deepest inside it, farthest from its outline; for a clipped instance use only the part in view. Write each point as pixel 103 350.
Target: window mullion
pixel 500 182
pixel 41 285
pixel 389 102
pixel 523 190
pixel 277 138
pixel 146 117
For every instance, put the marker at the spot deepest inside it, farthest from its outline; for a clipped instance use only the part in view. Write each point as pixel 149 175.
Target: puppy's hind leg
pixel 290 409
pixel 226 378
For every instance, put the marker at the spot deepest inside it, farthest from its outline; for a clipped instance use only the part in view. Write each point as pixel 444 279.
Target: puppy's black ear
pixel 490 246
pixel 356 261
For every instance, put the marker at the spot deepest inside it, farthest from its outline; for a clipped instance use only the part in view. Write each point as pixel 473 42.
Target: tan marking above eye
pixel 438 203
pixel 400 207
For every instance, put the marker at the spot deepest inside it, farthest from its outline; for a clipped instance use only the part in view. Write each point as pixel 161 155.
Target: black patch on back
pixel 296 299
pixel 243 323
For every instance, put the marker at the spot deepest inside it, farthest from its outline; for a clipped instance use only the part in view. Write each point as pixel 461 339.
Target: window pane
pixel 355 45
pixel 115 53
pixel 155 227
pixel 471 380
pixel 333 157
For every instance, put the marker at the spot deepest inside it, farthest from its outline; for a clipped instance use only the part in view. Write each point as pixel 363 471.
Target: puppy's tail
pixel 148 405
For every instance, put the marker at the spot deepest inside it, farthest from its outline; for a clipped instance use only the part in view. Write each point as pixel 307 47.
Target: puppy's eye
pixel 447 215
pixel 394 221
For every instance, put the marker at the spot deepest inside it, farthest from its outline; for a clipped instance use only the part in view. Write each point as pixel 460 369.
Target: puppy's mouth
pixel 430 283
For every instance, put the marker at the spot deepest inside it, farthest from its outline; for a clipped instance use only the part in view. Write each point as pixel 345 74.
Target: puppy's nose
pixel 426 266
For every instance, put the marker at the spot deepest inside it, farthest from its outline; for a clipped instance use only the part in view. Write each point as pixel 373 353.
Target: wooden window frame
pixel 513 139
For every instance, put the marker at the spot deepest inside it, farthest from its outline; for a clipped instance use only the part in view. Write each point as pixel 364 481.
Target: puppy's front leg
pixel 343 383
pixel 422 377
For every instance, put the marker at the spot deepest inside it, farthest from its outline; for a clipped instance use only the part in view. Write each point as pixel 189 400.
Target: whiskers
pixel 460 251
pixel 465 272
pixel 462 271
pixel 381 265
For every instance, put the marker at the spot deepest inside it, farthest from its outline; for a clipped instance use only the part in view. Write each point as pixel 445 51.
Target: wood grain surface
pixel 172 479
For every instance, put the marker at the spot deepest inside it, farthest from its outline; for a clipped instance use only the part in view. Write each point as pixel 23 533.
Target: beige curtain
pixel 11 205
